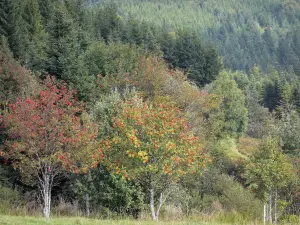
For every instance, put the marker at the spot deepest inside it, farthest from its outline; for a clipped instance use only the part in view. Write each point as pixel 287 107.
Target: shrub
pixel 10 201
pixel 290 219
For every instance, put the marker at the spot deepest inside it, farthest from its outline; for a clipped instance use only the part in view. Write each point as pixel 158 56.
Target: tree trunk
pixel 275 207
pixel 270 207
pixel 46 192
pixel 265 214
pixel 161 201
pixel 87 204
pixel 152 204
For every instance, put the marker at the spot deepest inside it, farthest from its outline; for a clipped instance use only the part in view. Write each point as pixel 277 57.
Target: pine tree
pixel 272 94
pixel 37 36
pixel 66 50
pixel 107 22
pixel 4 18
pixel 46 10
pixel 19 33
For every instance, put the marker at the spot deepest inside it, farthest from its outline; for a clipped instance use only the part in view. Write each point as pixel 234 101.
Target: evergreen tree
pixel 108 23
pixel 272 94
pixel 65 53
pixel 19 33
pixel 46 9
pixel 4 17
pixel 184 50
pixel 36 51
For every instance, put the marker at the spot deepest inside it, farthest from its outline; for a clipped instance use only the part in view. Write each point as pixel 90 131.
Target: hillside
pixel 262 32
pixel 164 110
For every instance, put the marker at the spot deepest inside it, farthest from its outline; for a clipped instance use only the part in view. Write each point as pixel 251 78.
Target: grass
pixel 18 220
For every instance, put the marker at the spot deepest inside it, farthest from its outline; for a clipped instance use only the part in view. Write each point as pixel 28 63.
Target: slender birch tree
pixel 267 171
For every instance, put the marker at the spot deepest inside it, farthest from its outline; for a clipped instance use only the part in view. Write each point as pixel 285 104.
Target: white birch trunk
pixel 270 207
pixel 265 214
pixel 87 204
pixel 161 201
pixel 152 205
pixel 46 192
pixel 275 207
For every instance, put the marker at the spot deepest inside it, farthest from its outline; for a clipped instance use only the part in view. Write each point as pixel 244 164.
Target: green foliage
pixel 109 50
pixel 111 59
pixel 29 220
pixel 268 169
pixel 25 32
pixel 183 50
pixel 259 123
pixel 186 51
pixel 10 200
pixel 64 55
pixel 4 18
pixel 9 196
pixel 105 109
pixel 232 116
pixel 107 191
pixel 107 23
pixel 8 176
pixel 219 193
pixel 246 33
pixel 289 131
pixel 291 219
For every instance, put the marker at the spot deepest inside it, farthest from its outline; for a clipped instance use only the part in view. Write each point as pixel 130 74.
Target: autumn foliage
pixel 50 131
pixel 153 139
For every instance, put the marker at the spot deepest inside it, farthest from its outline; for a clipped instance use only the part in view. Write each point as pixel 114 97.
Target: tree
pixel 21 22
pixel 152 143
pixel 48 134
pixel 36 50
pixel 4 18
pixel 100 189
pixel 18 29
pixel 259 117
pixel 272 94
pixel 186 51
pixel 267 171
pixel 107 22
pixel 66 48
pixel 232 116
pixel 289 131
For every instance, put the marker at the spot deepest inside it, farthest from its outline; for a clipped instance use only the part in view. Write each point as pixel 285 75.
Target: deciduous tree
pixel 152 143
pixel 232 116
pixel 49 133
pixel 267 171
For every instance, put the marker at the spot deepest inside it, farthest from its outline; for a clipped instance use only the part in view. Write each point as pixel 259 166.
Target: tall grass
pixel 15 211
pixel 15 220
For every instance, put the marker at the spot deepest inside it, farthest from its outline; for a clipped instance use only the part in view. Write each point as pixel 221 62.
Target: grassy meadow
pixel 26 220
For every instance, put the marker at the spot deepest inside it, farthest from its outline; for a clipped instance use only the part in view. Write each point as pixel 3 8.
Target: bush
pixel 290 219
pixel 10 201
pixel 64 208
pixel 9 196
pixel 239 199
pixel 215 193
pixel 232 217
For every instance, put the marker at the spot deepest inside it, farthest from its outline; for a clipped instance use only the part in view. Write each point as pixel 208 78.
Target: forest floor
pixel 18 220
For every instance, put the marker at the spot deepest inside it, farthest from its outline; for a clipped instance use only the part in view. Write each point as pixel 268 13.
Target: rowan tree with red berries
pixel 48 134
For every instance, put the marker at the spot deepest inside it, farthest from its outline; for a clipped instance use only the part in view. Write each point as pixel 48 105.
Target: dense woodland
pixel 145 108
